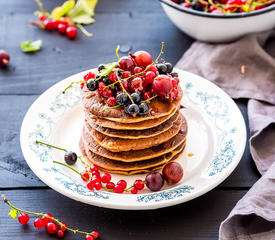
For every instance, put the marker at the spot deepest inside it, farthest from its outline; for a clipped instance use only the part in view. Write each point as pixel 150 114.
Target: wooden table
pixel 134 25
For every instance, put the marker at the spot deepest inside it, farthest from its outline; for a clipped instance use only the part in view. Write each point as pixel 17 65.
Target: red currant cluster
pixel 224 6
pixel 134 81
pixel 96 181
pixel 62 25
pixel 4 58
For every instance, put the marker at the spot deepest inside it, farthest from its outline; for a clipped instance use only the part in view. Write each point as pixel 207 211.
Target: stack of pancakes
pixel 119 143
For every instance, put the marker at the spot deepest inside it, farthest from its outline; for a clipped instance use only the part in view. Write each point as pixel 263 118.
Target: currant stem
pixel 40 5
pixel 43 215
pixel 84 31
pixel 149 99
pixel 117 49
pixel 65 165
pixel 49 145
pixel 116 106
pixel 71 84
pixel 123 89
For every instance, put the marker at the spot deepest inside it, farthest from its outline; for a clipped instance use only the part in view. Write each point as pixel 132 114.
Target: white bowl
pixel 211 27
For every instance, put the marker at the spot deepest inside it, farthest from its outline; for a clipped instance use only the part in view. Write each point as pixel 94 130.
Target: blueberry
pixel 136 97
pixel 174 74
pixel 162 68
pixel 169 67
pixel 70 158
pixel 100 67
pixel 143 109
pixel 122 99
pixel 106 80
pixel 132 109
pixel 196 6
pixel 92 84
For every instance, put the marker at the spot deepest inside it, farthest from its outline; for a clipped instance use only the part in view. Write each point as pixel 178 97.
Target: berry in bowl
pixel 220 20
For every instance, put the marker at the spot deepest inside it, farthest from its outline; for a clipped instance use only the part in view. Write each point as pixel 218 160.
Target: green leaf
pixel 83 12
pixel 29 46
pixel 108 68
pixel 13 213
pixel 60 11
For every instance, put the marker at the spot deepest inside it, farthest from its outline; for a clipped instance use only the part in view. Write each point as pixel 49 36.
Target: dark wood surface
pixel 134 25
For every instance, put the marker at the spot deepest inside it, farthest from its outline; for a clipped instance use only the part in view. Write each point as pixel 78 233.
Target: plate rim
pixel 138 206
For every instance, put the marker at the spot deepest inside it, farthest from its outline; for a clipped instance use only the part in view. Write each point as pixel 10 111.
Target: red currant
pixel 48 24
pixel 71 32
pixel 38 223
pixel 185 5
pixel 111 101
pixel 24 218
pixel 146 95
pixel 51 228
pixel 152 68
pixel 122 183
pixel 95 234
pixel 65 20
pixel 137 70
pixel 126 74
pixel 212 8
pixel 118 189
pixel 96 174
pixel 101 87
pixel 112 76
pixel 107 92
pixel 134 191
pixel 149 76
pixel 142 58
pixel 89 237
pixel 90 185
pixel 63 227
pixel 162 85
pixel 47 218
pixel 125 85
pixel 106 177
pixel 60 234
pixel 95 181
pixel 110 185
pixel 139 184
pixel 42 17
pixel 174 82
pixel 85 176
pixel 88 76
pixel 55 23
pixel 62 28
pixel 137 84
pixel 94 168
pixel 98 186
pixel 126 63
pixel 82 85
pixel 173 95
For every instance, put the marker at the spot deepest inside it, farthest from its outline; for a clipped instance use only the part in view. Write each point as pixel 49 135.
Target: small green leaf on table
pixel 60 11
pixel 13 213
pixel 29 46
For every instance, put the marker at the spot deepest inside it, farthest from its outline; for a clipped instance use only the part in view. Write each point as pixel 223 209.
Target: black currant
pixel 143 109
pixel 196 6
pixel 70 158
pixel 174 74
pixel 92 84
pixel 132 109
pixel 100 67
pixel 169 67
pixel 122 99
pixel 162 68
pixel 106 80
pixel 136 97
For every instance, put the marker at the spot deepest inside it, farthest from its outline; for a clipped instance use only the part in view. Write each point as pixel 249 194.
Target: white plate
pixel 216 137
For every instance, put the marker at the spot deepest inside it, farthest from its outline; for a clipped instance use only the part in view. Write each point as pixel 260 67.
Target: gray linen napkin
pixel 246 69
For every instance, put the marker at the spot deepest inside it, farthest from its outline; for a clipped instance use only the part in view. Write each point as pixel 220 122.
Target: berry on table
pixel 71 32
pixel 51 228
pixel 38 223
pixel 110 185
pixel 85 176
pixel 154 181
pixel 172 172
pixel 111 101
pixel 139 184
pixel 95 234
pixel 55 23
pixel 118 189
pixel 94 168
pixel 23 218
pixel 142 58
pixel 4 58
pixel 63 226
pixel 62 28
pixel 89 237
pixel 106 177
pixel 90 185
pixel 70 157
pixel 134 190
pixel 122 183
pixel 92 84
pixel 47 218
pixel 143 109
pixel 48 24
pixel 98 185
pixel 88 76
pixel 42 17
pixel 60 234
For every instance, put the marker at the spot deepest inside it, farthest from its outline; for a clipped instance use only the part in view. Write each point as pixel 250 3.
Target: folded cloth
pixel 246 69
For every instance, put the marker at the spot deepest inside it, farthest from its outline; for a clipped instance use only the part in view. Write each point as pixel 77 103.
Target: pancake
pixel 136 134
pixel 128 126
pixel 138 155
pixel 94 104
pixel 127 166
pixel 132 172
pixel 119 145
